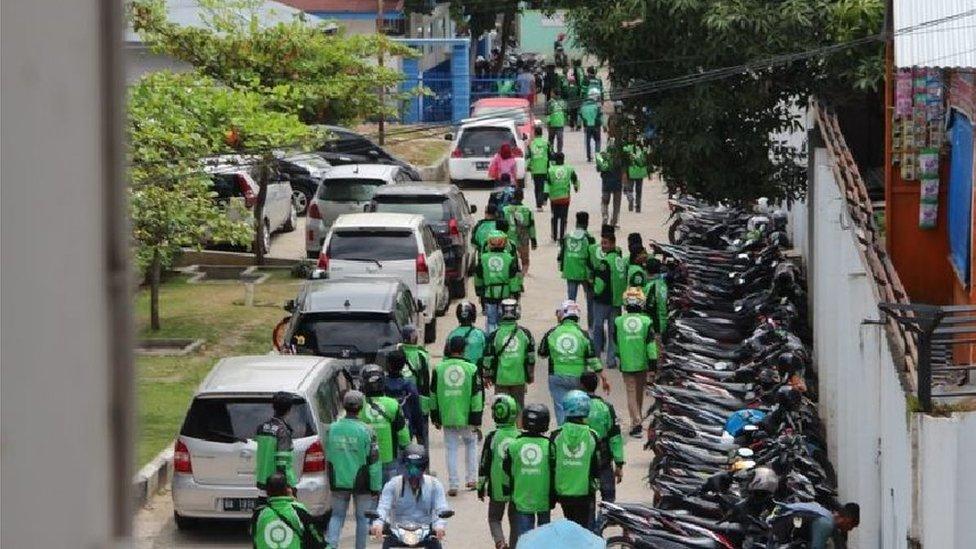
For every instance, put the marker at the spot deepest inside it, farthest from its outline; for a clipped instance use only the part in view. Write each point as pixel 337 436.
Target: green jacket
pixel 636 158
pixel 610 277
pixel 656 304
pixel 479 235
pixel 418 370
pixel 557 113
pixel 284 524
pixel 352 456
pixel 603 420
pixel 538 157
pixel 474 346
pixel 497 276
pixel 521 224
pixel 590 115
pixel 384 415
pixel 274 452
pixel 491 475
pixel 636 275
pixel 635 341
pixel 458 396
pixel 510 355
pixel 577 460
pixel 569 350
pixel 561 179
pixel 574 255
pixel 530 463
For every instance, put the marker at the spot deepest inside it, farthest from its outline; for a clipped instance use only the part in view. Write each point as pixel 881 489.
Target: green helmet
pixel 576 404
pixel 504 410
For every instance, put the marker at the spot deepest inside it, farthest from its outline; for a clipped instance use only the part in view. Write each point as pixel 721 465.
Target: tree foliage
pixel 716 139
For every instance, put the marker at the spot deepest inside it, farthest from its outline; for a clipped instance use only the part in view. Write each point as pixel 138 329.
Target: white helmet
pixel 568 308
pixel 764 480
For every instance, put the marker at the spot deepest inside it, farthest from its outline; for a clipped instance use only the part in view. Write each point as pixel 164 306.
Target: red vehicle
pixel 514 108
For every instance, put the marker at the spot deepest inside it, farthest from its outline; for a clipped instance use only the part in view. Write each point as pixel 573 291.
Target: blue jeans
pixel 559 385
pixel 340 504
pixel 594 134
pixel 453 436
pixel 491 316
pixel 603 332
pixel 528 521
pixel 572 288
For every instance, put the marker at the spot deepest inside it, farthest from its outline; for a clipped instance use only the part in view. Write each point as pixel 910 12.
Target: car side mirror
pixel 290 305
pixel 474 209
pixel 373 153
pixel 446 514
pixel 372 515
pixel 449 136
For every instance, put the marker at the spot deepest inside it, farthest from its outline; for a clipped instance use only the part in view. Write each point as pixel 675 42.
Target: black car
pixel 345 146
pixel 447 213
pixel 306 171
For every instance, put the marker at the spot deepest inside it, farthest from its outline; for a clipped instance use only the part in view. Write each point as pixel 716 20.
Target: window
pixel 379 244
pixel 329 333
pixel 228 419
pixel 434 208
pixel 518 114
pixel 430 243
pixel 960 196
pixel 349 190
pixel 484 141
pixel 327 400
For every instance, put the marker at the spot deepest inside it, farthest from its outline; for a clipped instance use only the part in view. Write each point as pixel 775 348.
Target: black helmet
pixel 281 402
pixel 466 312
pixel 788 363
pixel 535 418
pixel 352 401
pixel 409 334
pixel 373 380
pixel 395 361
pixel 509 309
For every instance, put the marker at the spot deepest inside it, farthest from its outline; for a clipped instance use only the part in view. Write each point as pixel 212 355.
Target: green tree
pixel 716 138
pixel 173 123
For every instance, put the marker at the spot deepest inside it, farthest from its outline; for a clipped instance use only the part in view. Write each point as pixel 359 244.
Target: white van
pixel 392 245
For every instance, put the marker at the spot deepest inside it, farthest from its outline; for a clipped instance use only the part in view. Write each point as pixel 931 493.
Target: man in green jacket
pixel 637 258
pixel 510 354
pixel 561 181
pixel 538 165
pixel 384 415
pixel 635 350
pixel 574 258
pixel 570 353
pixel 458 401
pixel 577 470
pixel 283 523
pixel 556 111
pixel 274 452
pixel 484 227
pixel 418 370
pixel 492 479
pixel 497 276
pixel 609 284
pixel 521 228
pixel 474 337
pixel 591 118
pixel 603 420
pixel 635 155
pixel 656 296
pixel 530 463
pixel 353 467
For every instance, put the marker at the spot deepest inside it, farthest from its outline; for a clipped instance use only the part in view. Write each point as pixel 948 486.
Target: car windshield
pixel 518 114
pixel 229 419
pixel 226 186
pixel 484 141
pixel 373 245
pixel 349 190
pixel 435 209
pixel 334 333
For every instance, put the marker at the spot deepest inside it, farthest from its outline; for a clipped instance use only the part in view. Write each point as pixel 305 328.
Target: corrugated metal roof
pixel 189 13
pixel 935 33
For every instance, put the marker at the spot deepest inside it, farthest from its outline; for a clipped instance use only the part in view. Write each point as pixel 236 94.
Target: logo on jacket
pixel 278 535
pixel 560 172
pixel 530 454
pixel 454 376
pixel 514 346
pixel 496 264
pixel 577 453
pixel 567 344
pixel 503 447
pixel 632 325
pixel 373 415
pixel 621 265
pixel 574 245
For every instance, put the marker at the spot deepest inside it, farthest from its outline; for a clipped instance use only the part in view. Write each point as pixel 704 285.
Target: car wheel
pixel 430 331
pixel 184 523
pixel 458 288
pixel 292 220
pixel 301 198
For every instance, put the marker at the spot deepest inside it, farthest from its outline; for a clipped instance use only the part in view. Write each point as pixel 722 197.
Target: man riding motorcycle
pixel 413 497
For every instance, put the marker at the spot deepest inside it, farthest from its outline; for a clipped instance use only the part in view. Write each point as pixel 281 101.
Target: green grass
pixel 421 152
pixel 215 313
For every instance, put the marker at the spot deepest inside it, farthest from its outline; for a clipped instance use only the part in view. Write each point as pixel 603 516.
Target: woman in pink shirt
pixel 504 162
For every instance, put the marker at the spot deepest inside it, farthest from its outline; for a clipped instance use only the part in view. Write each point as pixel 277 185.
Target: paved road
pixel 544 291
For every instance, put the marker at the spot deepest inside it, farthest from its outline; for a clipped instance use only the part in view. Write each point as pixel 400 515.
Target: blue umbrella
pixel 564 534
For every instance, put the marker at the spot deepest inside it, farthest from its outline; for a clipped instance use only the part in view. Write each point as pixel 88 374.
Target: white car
pixel 345 189
pixel 476 144
pixel 389 245
pixel 214 456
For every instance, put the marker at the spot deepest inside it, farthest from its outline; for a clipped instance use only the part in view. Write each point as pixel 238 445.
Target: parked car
pixel 513 108
pixel 214 454
pixel 477 142
pixel 306 171
pixel 351 318
pixel 345 146
pixel 235 180
pixel 394 245
pixel 345 189
pixel 447 212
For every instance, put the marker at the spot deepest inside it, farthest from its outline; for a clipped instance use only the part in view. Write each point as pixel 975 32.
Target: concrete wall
pixel 537 33
pixel 910 473
pixel 139 60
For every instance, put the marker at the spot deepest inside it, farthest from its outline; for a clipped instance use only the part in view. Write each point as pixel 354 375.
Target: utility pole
pixel 379 31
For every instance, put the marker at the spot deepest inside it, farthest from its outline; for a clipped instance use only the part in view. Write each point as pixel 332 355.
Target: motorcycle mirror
pixel 290 306
pixel 446 514
pixel 372 515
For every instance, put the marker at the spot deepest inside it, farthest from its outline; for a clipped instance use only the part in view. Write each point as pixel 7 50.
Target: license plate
pixel 481 165
pixel 240 504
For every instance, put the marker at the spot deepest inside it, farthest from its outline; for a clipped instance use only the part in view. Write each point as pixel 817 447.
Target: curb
pixel 153 477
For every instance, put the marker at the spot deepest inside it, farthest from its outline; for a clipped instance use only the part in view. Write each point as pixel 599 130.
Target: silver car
pixel 345 189
pixel 215 450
